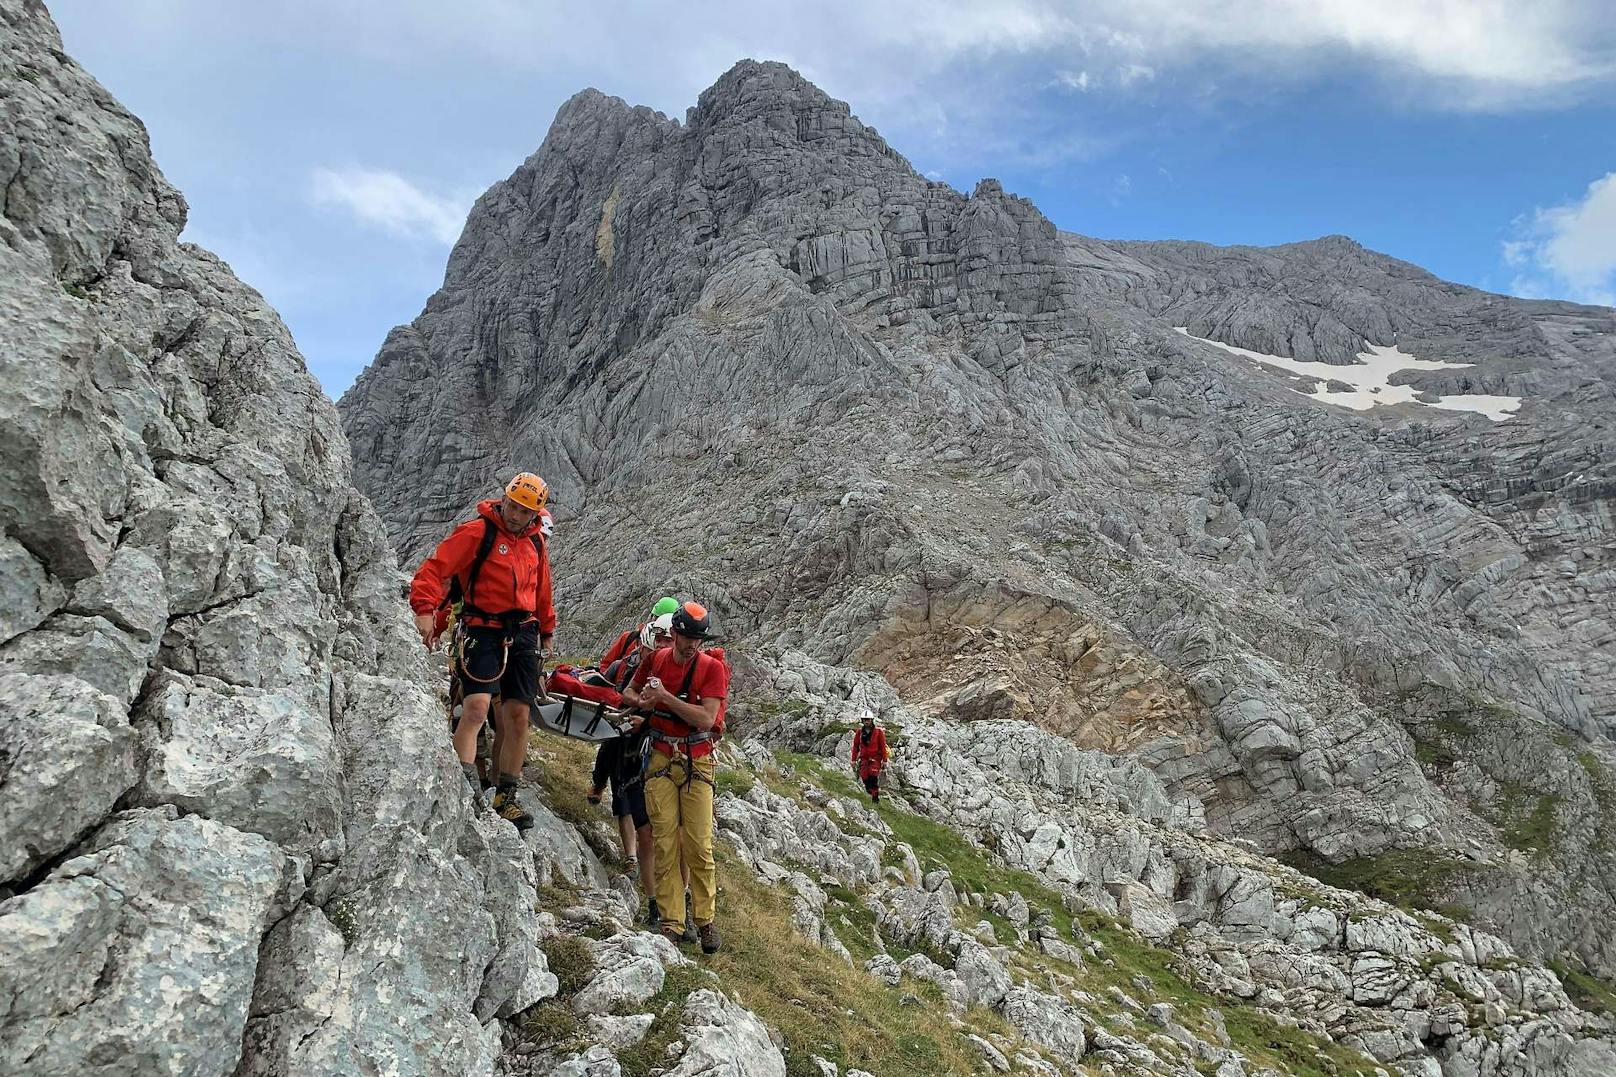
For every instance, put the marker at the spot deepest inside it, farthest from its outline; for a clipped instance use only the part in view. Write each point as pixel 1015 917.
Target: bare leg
pixel 647 858
pixel 473 711
pixel 625 833
pixel 511 748
pixel 490 767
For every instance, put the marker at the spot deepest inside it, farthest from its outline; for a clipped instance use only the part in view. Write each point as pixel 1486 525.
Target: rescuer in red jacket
pixel 870 754
pixel 507 619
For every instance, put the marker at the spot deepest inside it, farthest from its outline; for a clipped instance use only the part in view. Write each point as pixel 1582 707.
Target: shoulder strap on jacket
pixel 483 549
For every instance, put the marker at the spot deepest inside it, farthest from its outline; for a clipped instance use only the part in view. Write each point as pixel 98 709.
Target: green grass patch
pixel 1291 1050
pixel 668 1006
pixel 1438 745
pixel 819 1004
pixel 766 710
pixel 571 962
pixel 1525 818
pixel 1588 991
pixel 550 1024
pixel 822 1006
pixel 733 780
pixel 1285 1049
pixel 1440 928
pixel 340 914
pixel 563 766
pixel 1412 879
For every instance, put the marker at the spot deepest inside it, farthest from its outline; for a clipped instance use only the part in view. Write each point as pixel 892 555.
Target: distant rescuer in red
pixel 870 755
pixel 507 621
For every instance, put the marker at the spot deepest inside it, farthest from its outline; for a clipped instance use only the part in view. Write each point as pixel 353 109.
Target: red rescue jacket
pixel 620 648
pixel 869 757
pixel 515 577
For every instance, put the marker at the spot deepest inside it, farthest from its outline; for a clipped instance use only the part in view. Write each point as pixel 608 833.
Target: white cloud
pixel 1568 251
pixel 1464 53
pixel 1135 73
pixel 1078 80
pixel 390 202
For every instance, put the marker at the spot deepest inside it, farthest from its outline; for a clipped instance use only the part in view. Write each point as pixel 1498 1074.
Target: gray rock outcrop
pixel 232 836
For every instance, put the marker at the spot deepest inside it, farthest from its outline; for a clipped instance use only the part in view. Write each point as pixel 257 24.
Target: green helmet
pixel 665 606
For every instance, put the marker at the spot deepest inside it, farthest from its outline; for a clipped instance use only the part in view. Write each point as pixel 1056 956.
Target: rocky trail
pixel 1004 912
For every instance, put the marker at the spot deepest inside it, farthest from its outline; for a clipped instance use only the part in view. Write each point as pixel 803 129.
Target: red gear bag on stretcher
pixel 565 681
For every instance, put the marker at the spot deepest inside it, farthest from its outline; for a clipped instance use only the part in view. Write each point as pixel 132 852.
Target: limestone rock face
pixel 231 832
pixel 764 362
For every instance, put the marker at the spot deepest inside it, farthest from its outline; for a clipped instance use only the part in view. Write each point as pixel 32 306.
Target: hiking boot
pixel 709 938
pixel 632 869
pixel 672 936
pixel 653 916
pixel 507 807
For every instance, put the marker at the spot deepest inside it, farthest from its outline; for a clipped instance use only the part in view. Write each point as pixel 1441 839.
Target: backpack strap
pixel 690 675
pixel 483 549
pixel 684 695
pixel 622 671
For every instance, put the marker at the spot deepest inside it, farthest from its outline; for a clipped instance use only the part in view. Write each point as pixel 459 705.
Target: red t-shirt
pixel 711 681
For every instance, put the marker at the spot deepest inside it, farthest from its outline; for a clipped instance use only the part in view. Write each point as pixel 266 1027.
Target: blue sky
pixel 330 148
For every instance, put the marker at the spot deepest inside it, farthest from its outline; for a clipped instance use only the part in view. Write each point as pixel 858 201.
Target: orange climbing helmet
pixel 692 621
pixel 528 491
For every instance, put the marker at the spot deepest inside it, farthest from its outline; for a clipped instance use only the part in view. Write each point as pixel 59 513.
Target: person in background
pixel 870 755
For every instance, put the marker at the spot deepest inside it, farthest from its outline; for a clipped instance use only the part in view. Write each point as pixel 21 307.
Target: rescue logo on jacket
pixel 504 549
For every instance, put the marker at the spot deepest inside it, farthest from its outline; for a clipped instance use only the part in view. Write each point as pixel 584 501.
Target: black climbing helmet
pixel 692 621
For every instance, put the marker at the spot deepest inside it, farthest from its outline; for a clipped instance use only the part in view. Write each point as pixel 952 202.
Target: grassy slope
pixel 818 1004
pixel 821 1006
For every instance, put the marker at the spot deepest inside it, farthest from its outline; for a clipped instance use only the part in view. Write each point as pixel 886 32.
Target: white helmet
pixel 661 626
pixel 546 523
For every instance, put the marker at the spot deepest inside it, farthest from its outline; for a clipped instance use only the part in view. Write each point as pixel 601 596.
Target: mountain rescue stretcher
pixel 580 704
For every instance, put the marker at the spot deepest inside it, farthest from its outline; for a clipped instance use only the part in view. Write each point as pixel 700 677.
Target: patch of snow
pixel 1369 379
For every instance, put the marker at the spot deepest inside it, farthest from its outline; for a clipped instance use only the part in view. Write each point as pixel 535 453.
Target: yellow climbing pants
pixel 681 810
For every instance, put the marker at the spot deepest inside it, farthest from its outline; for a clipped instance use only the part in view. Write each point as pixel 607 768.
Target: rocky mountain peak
pixel 1113 490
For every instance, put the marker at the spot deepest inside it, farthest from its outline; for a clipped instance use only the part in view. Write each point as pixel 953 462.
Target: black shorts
pixel 628 798
pixel 484 651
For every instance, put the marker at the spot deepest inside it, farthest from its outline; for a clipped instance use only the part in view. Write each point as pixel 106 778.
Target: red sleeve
pixel 452 557
pixel 546 610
